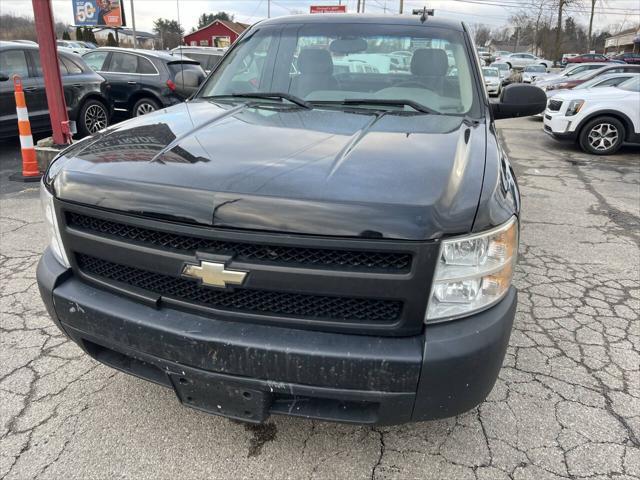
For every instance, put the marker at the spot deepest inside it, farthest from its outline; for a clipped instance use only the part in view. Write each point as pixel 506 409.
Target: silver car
pixel 492 80
pixel 505 71
pixel 531 72
pixel 610 80
pixel 570 71
pixel 521 60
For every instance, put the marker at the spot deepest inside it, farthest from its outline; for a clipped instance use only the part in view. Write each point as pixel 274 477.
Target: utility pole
pixel 43 16
pixel 268 8
pixel 358 7
pixel 133 26
pixel 401 6
pixel 363 5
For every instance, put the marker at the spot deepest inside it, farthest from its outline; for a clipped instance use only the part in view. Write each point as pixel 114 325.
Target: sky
pixel 493 13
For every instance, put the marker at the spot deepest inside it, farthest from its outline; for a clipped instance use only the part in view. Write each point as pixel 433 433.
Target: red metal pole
pixel 43 15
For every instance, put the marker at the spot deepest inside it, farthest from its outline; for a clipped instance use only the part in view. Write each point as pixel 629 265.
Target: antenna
pixel 424 13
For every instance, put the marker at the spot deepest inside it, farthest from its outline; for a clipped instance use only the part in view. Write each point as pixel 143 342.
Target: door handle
pixel 77 85
pixel 30 89
pixel 131 82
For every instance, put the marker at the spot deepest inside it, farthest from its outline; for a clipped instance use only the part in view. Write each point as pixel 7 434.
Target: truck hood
pixel 269 168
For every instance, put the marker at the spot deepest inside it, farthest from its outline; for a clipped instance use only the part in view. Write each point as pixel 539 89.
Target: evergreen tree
pixel 65 35
pixel 111 40
pixel 86 34
pixel 79 35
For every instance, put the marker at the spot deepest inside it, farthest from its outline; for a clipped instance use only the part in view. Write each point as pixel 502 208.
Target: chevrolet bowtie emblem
pixel 214 274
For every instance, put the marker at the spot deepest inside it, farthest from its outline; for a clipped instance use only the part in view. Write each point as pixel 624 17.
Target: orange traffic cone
pixel 30 170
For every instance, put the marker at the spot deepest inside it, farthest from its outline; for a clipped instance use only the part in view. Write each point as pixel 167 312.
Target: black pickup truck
pixel 318 232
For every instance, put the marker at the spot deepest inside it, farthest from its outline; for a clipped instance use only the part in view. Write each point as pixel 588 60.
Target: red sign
pixel 328 9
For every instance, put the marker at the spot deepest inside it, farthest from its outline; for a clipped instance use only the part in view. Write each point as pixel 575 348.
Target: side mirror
pixel 519 100
pixel 4 77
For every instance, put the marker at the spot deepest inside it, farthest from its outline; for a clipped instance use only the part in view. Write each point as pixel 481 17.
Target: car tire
pixel 510 67
pixel 143 106
pixel 602 136
pixel 93 117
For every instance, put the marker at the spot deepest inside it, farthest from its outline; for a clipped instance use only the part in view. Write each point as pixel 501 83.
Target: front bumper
pixel 248 372
pixel 559 126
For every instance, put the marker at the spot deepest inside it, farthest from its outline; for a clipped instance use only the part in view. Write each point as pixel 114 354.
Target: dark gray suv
pixel 85 91
pixel 141 81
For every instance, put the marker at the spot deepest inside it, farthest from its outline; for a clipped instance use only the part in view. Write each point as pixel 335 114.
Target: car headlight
pixel 46 199
pixel 574 107
pixel 473 272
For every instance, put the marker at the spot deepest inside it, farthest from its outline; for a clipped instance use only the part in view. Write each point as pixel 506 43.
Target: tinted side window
pixel 145 66
pixel 35 57
pixel 14 62
pixel 611 81
pixel 95 60
pixel 123 63
pixel 71 66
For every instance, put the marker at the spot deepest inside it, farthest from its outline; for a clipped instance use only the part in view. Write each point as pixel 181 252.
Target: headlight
pixel 473 272
pixel 574 107
pixel 46 199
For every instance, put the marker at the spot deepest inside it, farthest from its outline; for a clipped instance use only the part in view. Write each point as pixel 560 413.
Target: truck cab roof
pixel 409 20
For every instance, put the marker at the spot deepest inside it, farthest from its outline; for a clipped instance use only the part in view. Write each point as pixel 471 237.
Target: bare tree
pixel 558 46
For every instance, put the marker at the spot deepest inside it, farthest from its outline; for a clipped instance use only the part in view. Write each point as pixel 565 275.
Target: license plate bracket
pixel 220 397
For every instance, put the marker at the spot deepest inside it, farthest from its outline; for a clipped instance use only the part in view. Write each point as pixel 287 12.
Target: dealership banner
pixel 328 9
pixel 93 13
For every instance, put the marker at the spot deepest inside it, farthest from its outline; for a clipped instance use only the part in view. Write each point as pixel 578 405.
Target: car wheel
pixel 510 67
pixel 144 106
pixel 93 117
pixel 602 136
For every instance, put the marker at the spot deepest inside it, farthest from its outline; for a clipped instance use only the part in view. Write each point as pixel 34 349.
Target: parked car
pixel 208 57
pixel 531 72
pixel 587 58
pixel 75 47
pixel 570 71
pixel 505 72
pixel 300 242
pixel 600 120
pixel 485 56
pixel 566 56
pixel 89 45
pixel 85 91
pixel 607 80
pixel 521 60
pixel 142 81
pixel 492 80
pixel 573 81
pixel 628 57
pixel 25 42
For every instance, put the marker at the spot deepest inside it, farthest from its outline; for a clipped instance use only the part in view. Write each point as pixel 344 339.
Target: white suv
pixel 599 119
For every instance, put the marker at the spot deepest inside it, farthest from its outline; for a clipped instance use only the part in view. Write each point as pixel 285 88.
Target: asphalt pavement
pixel 566 404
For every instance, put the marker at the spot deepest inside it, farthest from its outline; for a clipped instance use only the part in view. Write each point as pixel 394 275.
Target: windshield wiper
pixel 269 95
pixel 418 107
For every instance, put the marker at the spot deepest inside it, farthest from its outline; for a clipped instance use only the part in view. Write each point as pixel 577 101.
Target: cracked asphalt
pixel 566 404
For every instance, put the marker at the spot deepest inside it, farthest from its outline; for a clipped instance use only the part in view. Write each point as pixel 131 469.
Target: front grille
pixel 554 105
pixel 393 262
pixel 261 302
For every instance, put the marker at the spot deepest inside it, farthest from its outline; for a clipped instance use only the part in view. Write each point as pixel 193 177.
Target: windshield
pixel 632 85
pixel 334 63
pixel 535 68
pixel 490 72
pixel 500 66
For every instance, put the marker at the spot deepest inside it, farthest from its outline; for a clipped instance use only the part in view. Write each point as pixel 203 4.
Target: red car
pixel 588 57
pixel 628 58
